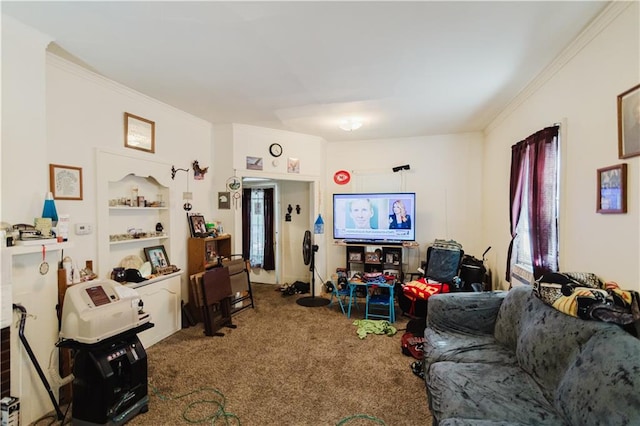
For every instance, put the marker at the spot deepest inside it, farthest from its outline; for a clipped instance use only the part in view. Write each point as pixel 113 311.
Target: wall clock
pixel 275 149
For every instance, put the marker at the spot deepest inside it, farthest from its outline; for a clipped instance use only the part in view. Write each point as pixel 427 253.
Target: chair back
pixel 443 263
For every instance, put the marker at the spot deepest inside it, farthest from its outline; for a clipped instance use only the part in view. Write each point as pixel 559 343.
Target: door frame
pixel 312 211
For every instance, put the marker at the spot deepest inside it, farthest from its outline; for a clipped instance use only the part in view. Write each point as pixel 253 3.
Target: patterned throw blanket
pixel 584 295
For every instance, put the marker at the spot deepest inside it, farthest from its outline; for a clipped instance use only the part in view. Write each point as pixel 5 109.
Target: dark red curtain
pixel 269 263
pixel 246 222
pixel 540 152
pixel 518 157
pixel 543 183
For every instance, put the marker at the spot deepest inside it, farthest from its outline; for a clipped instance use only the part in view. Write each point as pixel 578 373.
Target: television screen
pixel 384 217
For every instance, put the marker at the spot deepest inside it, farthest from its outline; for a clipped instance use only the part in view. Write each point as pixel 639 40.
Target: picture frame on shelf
pixel 65 182
pixel 612 189
pixel 355 256
pixel 157 256
pixel 372 257
pixel 198 226
pixel 629 123
pixel 139 133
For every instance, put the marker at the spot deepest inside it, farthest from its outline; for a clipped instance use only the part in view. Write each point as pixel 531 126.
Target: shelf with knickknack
pixel 138 215
pixel 133 195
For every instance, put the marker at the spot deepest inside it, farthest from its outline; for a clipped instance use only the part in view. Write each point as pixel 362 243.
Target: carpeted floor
pixel 284 364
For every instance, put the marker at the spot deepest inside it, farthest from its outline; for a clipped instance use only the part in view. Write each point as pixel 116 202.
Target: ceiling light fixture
pixel 350 124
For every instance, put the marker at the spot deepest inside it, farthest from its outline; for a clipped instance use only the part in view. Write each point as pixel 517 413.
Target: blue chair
pixel 343 294
pixel 381 304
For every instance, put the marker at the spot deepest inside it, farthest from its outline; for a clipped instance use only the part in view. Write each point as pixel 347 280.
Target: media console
pixel 376 257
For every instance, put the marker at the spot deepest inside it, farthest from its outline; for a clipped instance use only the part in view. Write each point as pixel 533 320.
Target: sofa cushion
pixel 447 346
pixel 460 328
pixel 508 321
pixel 549 341
pixel 488 392
pixel 475 422
pixel 467 313
pixel 602 385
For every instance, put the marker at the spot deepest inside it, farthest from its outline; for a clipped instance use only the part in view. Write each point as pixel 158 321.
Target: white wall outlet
pixel 83 229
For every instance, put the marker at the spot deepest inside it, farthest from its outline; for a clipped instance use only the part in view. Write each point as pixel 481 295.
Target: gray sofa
pixel 507 358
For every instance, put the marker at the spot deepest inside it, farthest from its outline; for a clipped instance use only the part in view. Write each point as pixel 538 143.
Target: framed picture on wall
pixel 612 189
pixel 629 123
pixel 65 182
pixel 139 133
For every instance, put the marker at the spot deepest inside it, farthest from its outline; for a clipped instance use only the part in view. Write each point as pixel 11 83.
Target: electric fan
pixel 308 254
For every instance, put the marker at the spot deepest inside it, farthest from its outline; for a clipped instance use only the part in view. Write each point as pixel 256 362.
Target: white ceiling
pixel 404 68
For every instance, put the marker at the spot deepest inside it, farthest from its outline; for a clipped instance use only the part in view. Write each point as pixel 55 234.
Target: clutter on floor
pixel 374 327
pixel 297 287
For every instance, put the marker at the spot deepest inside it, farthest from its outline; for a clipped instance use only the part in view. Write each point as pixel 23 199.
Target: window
pixel 534 206
pixel 256 249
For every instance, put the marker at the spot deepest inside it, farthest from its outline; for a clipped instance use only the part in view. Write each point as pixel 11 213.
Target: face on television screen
pixel 374 216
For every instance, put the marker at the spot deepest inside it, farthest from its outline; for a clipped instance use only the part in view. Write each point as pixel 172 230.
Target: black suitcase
pixel 473 273
pixel 444 259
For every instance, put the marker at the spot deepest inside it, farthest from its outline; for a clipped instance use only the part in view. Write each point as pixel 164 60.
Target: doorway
pixel 288 229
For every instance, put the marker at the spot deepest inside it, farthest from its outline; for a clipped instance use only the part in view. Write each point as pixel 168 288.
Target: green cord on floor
pixel 219 414
pixel 226 417
pixel 361 416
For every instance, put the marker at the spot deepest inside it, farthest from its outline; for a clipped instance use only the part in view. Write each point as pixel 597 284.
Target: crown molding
pixel 87 74
pixel 593 29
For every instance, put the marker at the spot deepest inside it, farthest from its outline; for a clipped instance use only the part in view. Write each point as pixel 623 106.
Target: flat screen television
pixel 375 217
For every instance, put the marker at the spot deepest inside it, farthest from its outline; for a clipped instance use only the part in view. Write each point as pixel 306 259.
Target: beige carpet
pixel 284 364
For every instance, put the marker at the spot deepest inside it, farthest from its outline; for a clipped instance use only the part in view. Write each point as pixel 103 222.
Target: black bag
pixel 472 271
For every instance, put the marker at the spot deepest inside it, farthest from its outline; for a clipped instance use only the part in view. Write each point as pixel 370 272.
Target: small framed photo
pixel 372 257
pixel 224 200
pixel 254 163
pixel 629 123
pixel 355 256
pixel 139 133
pixel 293 165
pixel 65 182
pixel 612 189
pixel 157 256
pixel 198 226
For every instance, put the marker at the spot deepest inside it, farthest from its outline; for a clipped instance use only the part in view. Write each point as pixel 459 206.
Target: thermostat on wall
pixel 83 229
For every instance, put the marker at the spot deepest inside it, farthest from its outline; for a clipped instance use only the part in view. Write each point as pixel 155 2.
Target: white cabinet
pixel 161 297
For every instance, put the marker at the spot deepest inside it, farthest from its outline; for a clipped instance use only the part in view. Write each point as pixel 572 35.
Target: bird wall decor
pixel 198 172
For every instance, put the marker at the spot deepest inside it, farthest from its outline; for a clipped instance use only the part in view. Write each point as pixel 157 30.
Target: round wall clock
pixel 275 149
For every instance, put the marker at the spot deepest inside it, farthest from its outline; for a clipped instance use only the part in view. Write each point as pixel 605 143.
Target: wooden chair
pixel 216 298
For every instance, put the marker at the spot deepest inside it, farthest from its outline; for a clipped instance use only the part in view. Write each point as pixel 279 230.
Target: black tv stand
pixel 375 257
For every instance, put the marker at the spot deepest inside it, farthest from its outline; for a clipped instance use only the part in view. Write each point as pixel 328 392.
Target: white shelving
pixel 135 240
pixel 117 175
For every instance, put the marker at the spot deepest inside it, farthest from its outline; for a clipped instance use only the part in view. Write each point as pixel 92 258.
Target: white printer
pixel 99 309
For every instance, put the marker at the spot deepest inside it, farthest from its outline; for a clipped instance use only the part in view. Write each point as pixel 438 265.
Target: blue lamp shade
pixel 49 210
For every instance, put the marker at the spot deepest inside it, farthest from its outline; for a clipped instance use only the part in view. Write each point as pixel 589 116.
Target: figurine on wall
pixel 198 173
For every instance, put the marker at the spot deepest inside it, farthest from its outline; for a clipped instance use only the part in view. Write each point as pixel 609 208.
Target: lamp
pixel 49 209
pixel 350 124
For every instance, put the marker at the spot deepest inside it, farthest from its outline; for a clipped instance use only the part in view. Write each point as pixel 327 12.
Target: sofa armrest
pixel 470 313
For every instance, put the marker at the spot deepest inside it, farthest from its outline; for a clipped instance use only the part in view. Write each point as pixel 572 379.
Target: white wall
pixel 85 112
pixel 445 174
pixel 580 92
pixel 56 112
pixel 234 142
